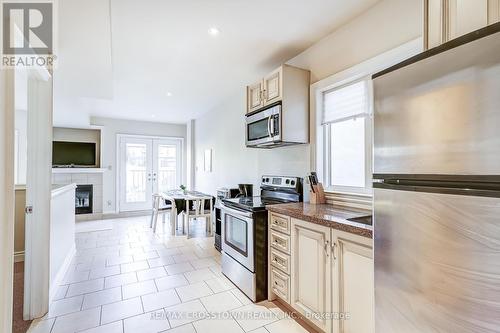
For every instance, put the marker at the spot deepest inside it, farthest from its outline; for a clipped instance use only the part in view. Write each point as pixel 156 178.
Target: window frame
pixel 327 158
pixel 352 74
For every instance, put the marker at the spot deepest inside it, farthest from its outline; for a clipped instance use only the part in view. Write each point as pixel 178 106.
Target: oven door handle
pixel 236 212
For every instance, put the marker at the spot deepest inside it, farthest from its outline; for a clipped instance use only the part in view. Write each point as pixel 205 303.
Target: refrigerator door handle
pixel 478 189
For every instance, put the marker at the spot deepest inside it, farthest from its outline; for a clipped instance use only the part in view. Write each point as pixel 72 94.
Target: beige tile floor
pixel 129 280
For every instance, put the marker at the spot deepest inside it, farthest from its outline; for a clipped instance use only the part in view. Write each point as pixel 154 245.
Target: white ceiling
pixel 120 59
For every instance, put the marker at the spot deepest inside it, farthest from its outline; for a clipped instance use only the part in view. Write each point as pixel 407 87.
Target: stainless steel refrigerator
pixel 437 190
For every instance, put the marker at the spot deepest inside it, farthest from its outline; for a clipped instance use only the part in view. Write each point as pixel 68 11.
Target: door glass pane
pixel 136 165
pixel 348 153
pixel 167 168
pixel 236 234
pixel 258 129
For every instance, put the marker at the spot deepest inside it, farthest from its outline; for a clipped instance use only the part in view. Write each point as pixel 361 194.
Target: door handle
pixel 325 248
pixel 334 246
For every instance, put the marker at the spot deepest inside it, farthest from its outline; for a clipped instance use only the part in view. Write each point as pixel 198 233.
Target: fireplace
pixel 83 199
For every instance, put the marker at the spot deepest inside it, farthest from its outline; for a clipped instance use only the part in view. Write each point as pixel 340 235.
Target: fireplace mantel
pixel 78 170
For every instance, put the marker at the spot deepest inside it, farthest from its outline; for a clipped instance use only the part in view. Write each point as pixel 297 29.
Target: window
pixel 346 126
pixel 343 105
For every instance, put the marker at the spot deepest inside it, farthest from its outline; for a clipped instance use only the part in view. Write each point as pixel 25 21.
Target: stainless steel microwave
pixel 263 128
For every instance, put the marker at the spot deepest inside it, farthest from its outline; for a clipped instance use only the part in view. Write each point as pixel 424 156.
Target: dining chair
pixel 158 208
pixel 198 210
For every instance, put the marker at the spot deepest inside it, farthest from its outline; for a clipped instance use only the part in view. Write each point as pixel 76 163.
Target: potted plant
pixel 184 189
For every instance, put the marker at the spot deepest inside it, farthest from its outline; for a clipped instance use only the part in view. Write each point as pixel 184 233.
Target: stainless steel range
pixel 244 233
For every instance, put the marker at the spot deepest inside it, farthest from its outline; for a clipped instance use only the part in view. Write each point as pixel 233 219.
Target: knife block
pixel 318 196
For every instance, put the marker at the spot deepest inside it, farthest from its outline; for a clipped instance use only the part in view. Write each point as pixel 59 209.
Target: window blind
pixel 346 102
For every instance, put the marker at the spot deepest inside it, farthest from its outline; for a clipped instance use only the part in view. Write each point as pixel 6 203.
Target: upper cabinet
pixel 449 19
pixel 272 87
pixel 254 97
pixel 287 84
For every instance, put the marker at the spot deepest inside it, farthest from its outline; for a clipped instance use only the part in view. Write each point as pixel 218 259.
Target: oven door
pixel 264 127
pixel 237 236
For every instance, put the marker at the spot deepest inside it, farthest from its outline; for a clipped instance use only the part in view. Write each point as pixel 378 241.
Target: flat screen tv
pixel 76 154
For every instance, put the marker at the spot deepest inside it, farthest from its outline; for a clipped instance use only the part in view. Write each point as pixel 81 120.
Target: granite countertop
pixel 327 215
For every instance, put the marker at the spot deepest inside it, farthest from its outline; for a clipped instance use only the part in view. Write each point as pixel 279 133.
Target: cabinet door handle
pixel 325 248
pixel 334 246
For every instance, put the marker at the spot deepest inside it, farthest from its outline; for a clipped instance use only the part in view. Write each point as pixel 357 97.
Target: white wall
pixel 385 26
pixel 223 131
pixel 109 130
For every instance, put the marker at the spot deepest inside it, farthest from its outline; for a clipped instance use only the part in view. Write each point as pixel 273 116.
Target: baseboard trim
pixel 19 256
pixel 62 272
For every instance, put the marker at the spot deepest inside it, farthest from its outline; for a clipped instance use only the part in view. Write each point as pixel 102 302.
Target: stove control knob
pixel 263 180
pixel 287 181
pixel 293 183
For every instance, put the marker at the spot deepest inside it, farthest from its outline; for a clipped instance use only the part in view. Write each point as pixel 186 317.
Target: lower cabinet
pixel 353 283
pixel 326 276
pixel 311 272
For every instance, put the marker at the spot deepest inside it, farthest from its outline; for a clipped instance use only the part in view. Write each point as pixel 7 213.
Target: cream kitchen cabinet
pixel 353 283
pixel 449 19
pixel 273 89
pixel 324 274
pixel 286 84
pixel 254 97
pixel 310 292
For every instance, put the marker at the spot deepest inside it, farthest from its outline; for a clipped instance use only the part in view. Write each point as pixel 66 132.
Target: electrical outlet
pixel 109 203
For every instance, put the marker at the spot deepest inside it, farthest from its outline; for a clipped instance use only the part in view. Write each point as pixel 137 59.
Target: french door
pixel 147 166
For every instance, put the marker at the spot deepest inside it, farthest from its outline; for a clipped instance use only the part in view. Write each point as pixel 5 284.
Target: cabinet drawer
pixel 280 284
pixel 280 260
pixel 280 223
pixel 280 241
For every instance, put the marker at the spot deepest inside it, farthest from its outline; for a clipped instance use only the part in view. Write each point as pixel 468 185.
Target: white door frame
pixel 38 195
pixel 6 197
pixel 118 169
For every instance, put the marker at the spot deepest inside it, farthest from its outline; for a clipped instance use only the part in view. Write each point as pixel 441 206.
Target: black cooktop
pixel 253 204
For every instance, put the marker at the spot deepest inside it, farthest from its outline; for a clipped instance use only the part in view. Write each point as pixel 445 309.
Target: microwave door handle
pixel 272 126
pixel 269 124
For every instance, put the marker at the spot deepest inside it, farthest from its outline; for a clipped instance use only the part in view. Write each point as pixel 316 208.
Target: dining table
pixel 180 200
